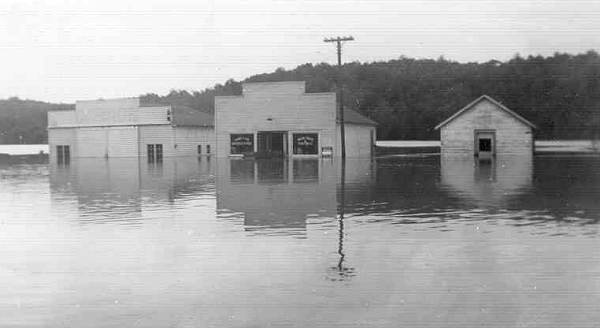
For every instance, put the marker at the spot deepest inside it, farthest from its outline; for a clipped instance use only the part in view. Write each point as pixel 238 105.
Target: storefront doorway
pixel 272 144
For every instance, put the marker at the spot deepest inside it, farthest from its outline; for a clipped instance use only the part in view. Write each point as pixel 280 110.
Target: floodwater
pixel 411 241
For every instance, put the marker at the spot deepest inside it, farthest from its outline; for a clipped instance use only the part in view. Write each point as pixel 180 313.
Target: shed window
pixel 199 149
pixel 63 154
pixel 154 152
pixel 306 143
pixel 242 143
pixel 485 144
pixel 208 149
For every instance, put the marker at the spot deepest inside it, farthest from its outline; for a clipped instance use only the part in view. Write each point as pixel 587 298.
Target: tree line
pixel 25 121
pixel 406 96
pixel 409 97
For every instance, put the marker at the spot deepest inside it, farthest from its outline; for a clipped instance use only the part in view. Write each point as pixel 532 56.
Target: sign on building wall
pixel 242 143
pixel 306 143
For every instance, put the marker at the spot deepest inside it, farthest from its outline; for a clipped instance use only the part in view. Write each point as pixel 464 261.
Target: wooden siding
pixel 111 112
pixel 122 141
pixel 58 118
pixel 157 134
pixel 512 135
pixel 274 107
pixel 188 139
pixel 61 137
pixel 358 140
pixel 93 142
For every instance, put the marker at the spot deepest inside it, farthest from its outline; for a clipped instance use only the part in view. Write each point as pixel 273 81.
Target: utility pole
pixel 338 82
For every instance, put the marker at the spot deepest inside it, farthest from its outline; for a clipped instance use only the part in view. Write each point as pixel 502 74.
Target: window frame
pixel 316 145
pixel 250 148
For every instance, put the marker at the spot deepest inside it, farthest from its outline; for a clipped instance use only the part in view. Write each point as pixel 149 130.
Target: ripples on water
pixel 417 241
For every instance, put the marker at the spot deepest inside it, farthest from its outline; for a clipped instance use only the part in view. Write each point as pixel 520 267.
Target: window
pixel 199 149
pixel 242 143
pixel 155 152
pixel 63 154
pixel 306 143
pixel 158 151
pixel 208 149
pixel 485 144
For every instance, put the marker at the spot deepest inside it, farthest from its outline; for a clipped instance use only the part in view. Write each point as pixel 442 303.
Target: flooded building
pixel 126 128
pixel 279 119
pixel 485 128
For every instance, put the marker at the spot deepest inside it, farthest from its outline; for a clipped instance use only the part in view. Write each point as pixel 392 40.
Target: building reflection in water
pixel 118 189
pixel 279 196
pixel 276 194
pixel 491 183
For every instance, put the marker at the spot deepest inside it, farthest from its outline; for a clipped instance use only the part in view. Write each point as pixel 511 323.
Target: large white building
pixel 125 128
pixel 281 119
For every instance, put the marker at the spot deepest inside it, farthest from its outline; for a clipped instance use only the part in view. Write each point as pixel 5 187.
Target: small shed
pixel 486 128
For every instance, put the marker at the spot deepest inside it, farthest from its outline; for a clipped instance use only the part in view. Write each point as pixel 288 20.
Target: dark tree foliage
pixel 25 121
pixel 406 96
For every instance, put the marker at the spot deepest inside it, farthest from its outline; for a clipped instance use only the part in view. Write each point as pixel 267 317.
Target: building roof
pixel 354 117
pixel 493 101
pixel 186 116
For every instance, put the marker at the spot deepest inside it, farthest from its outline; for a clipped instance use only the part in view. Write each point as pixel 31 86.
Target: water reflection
pixel 277 194
pixel 487 183
pixel 516 190
pixel 118 189
pixel 407 240
pixel 342 271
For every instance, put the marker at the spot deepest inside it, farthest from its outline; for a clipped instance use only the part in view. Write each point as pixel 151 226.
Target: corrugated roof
pixel 186 116
pixel 354 117
pixel 493 101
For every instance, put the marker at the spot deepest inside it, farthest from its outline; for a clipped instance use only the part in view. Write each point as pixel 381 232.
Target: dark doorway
pixel 272 144
pixel 484 144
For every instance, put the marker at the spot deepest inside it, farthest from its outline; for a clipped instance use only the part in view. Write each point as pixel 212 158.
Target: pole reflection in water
pixel 342 272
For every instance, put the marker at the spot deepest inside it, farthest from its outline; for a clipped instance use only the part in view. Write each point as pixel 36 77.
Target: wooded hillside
pixel 408 97
pixel 25 121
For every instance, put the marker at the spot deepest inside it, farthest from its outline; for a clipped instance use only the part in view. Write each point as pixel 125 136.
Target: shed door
pixel 485 144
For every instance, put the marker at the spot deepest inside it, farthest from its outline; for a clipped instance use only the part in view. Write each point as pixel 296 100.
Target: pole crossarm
pixel 339 39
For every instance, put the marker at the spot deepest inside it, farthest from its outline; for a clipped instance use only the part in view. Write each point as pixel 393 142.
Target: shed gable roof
pixel 353 117
pixel 493 101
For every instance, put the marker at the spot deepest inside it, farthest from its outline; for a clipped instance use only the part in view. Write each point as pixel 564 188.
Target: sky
pixel 62 51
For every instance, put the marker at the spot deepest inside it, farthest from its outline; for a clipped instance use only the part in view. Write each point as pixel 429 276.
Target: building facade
pixel 125 128
pixel 280 119
pixel 486 128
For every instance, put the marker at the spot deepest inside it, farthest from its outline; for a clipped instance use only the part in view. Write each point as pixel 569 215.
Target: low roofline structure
pixel 493 101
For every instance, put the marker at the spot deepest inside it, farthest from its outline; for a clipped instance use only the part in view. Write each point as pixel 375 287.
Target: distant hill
pixel 408 97
pixel 25 121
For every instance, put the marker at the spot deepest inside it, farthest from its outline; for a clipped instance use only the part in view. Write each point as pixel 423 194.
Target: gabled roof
pixel 490 99
pixel 186 116
pixel 354 117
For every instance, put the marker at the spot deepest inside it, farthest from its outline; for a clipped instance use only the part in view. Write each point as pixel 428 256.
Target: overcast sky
pixel 69 50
